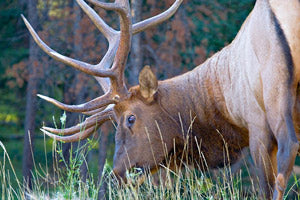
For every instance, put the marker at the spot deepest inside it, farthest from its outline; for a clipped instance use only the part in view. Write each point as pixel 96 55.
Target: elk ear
pixel 148 83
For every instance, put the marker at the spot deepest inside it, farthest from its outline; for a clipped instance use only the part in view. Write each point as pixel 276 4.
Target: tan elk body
pixel 246 95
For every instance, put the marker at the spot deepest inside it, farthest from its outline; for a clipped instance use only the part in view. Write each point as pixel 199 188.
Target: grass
pixel 61 179
pixel 65 182
pixel 54 182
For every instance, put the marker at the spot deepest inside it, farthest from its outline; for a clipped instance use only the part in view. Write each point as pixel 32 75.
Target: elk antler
pixel 81 131
pixel 109 72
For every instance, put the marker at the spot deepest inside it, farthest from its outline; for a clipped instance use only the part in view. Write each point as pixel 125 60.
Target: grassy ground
pixel 51 182
pixel 56 178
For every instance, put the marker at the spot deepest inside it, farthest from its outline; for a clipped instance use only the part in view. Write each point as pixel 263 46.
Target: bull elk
pixel 247 94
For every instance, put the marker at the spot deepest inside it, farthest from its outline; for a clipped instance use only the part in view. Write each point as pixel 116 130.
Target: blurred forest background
pixel 198 29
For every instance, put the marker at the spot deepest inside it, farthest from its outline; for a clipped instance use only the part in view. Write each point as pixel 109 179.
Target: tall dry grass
pixel 57 182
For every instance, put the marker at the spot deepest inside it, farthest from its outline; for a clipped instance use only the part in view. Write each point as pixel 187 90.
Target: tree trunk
pixel 30 98
pixel 136 56
pixel 103 142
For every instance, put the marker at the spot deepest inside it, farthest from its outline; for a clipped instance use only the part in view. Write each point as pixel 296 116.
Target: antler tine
pixel 107 6
pixel 94 120
pixel 72 138
pixel 96 103
pixel 92 112
pixel 81 135
pixel 82 66
pixel 155 20
pixel 71 130
pixel 108 32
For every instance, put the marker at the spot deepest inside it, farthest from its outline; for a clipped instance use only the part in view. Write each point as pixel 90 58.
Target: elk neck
pixel 198 95
pixel 196 101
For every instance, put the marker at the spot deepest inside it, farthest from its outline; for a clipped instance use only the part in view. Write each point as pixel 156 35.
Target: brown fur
pixel 245 95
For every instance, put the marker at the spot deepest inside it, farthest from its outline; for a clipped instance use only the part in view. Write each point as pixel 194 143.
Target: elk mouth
pixel 137 173
pixel 135 176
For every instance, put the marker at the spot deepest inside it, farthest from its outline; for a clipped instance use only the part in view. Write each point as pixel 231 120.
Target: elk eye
pixel 131 120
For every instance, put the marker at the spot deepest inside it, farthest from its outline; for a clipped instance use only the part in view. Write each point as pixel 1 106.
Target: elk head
pixel 139 140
